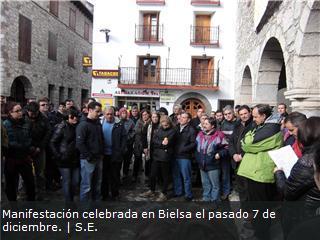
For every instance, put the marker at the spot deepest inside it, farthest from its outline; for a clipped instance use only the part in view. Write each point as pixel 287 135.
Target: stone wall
pixel 294 31
pixel 42 71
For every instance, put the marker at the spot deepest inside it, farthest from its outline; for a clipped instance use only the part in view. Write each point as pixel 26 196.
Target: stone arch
pixel 246 87
pixel 21 90
pixel 193 95
pixel 304 95
pixel 271 80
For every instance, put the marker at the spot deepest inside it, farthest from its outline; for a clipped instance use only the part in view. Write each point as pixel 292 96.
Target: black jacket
pixel 300 186
pixel 63 146
pixel 186 142
pixel 239 132
pixel 40 131
pixel 163 153
pixel 19 139
pixel 195 123
pixel 138 138
pixel 89 140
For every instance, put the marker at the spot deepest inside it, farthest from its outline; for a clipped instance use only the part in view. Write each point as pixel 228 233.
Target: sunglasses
pixel 42 105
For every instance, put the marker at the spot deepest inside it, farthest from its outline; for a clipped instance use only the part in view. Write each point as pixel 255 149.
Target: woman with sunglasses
pixel 63 147
pixel 18 159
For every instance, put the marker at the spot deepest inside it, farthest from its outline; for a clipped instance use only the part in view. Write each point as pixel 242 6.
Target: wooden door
pixel 192 105
pixel 150 26
pixel 202 71
pixel 149 71
pixel 203 23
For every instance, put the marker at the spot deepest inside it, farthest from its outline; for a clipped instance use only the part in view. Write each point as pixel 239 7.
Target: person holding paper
pixel 301 185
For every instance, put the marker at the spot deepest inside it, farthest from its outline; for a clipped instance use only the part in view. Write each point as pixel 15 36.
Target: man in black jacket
pixel 227 127
pixel 184 148
pixel 115 142
pixel 240 129
pixel 40 134
pixel 89 142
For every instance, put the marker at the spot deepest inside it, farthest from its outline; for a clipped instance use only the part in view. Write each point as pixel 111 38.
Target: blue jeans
pixel 211 185
pixel 225 169
pixel 70 182
pixel 182 167
pixel 91 178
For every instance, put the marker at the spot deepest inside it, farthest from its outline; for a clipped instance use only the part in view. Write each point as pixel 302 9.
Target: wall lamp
pixel 106 31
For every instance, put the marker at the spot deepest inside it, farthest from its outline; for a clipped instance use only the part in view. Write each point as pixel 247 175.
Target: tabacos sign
pixel 105 73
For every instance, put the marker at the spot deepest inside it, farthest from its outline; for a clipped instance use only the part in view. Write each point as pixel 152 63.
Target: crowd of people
pixel 90 152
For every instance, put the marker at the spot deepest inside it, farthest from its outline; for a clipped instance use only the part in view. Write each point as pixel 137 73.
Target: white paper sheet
pixel 284 158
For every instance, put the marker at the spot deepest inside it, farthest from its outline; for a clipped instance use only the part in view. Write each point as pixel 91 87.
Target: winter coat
pixel 40 130
pixel 208 145
pixel 119 140
pixel 195 123
pixel 227 128
pixel 238 134
pixel 186 142
pixel 148 132
pixel 300 185
pixel 163 153
pixel 138 138
pixel 89 139
pixel 63 146
pixel 256 163
pixel 56 118
pixel 300 192
pixel 19 139
pixel 129 126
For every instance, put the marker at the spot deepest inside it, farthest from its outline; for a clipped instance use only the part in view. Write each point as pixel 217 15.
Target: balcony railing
pixel 204 35
pixel 157 2
pixel 205 2
pixel 149 33
pixel 169 77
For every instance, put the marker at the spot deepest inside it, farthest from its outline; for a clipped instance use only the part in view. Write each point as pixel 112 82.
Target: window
pixel 54 7
pixel 84 95
pixel 150 26
pixel 223 103
pixel 202 71
pixel 51 92
pixel 52 46
pixel 71 57
pixel 86 31
pixel 70 93
pixel 72 19
pixel 61 94
pixel 24 39
pixel 149 70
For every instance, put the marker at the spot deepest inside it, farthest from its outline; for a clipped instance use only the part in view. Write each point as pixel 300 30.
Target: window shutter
pixel 25 31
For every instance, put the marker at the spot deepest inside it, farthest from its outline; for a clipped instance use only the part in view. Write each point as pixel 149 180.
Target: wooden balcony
pixel 204 36
pixel 151 2
pixel 168 78
pixel 149 34
pixel 205 2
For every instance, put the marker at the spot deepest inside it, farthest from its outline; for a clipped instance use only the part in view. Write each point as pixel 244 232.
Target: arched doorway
pixel 19 89
pixel 272 80
pixel 246 87
pixel 191 105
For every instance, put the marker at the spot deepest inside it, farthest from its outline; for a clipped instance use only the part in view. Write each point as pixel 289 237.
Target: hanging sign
pixel 105 73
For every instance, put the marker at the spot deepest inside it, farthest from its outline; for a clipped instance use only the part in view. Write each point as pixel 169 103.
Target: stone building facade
pixel 278 54
pixel 42 46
